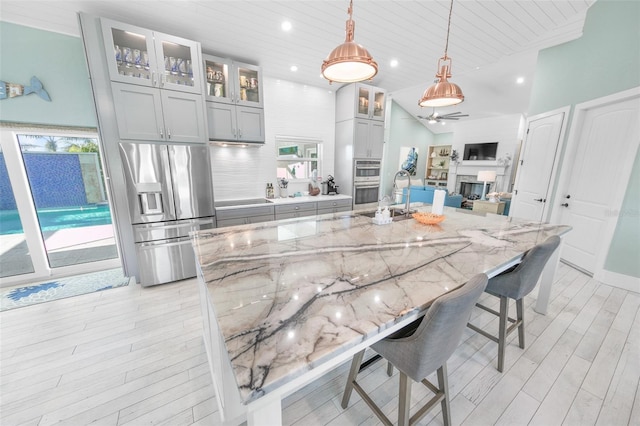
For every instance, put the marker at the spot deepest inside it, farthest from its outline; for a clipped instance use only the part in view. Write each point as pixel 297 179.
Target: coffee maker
pixel 331 186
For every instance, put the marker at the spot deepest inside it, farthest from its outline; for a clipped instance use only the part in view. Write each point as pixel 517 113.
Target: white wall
pixel 506 130
pixel 290 109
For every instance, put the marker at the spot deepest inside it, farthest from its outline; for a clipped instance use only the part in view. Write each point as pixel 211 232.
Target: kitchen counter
pixel 283 297
pixel 276 201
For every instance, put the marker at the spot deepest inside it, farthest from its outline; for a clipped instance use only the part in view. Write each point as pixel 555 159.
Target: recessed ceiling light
pixel 520 80
pixel 286 26
pixel 294 68
pixel 393 63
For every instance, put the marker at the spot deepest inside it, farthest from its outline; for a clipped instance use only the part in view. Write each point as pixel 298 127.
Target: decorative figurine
pixel 12 90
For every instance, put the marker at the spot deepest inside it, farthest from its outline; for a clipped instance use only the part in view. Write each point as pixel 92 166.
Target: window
pixel 297 157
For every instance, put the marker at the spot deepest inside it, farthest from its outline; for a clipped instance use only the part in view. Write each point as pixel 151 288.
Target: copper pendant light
pixel 443 93
pixel 349 62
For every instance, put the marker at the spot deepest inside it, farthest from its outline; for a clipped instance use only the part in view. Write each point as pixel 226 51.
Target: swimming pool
pixel 54 219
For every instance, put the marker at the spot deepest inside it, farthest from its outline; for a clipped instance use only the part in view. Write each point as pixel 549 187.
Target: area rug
pixel 16 297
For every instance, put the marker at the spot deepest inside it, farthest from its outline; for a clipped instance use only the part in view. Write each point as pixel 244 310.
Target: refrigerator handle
pixel 169 203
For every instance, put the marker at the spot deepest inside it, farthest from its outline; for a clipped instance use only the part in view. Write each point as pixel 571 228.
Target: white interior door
pixel 599 163
pixel 536 167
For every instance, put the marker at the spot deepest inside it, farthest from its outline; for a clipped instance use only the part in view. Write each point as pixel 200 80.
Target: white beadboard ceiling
pixel 491 42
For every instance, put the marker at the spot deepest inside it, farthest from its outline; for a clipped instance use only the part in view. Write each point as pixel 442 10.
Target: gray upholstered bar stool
pixel 516 284
pixel 421 348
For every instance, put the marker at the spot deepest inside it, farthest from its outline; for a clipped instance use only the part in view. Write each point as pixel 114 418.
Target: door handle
pixel 565 204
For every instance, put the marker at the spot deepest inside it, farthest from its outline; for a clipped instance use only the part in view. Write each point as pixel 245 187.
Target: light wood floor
pixel 134 356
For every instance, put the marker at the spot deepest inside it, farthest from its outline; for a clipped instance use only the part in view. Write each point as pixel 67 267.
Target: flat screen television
pixel 480 151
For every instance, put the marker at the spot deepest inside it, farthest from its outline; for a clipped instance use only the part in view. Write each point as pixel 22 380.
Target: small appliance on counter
pixel 329 186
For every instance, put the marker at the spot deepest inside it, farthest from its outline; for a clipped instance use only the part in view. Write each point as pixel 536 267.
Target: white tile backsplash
pixel 290 109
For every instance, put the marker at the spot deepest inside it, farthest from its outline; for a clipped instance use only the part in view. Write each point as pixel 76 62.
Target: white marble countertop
pixel 289 294
pixel 230 204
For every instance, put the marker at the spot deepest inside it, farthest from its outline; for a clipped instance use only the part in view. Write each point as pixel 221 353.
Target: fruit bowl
pixel 428 218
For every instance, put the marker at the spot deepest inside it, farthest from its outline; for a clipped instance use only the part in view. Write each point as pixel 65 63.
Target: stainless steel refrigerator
pixel 170 194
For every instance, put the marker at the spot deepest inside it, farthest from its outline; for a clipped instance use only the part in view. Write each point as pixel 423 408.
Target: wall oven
pixel 366 183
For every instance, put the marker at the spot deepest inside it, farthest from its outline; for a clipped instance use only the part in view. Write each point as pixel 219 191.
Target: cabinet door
pixel 376 139
pixel 221 223
pixel 377 104
pixel 363 98
pixel 219 79
pixel 361 139
pixel 221 121
pixel 130 53
pixel 248 82
pixel 370 102
pixel 250 124
pixel 138 112
pixel 178 60
pixel 183 117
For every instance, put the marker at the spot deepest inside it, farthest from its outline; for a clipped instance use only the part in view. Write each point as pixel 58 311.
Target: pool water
pixel 54 219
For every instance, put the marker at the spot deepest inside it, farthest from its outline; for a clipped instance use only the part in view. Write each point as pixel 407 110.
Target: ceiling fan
pixel 437 118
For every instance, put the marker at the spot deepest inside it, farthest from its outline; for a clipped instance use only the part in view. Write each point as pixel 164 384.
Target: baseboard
pixel 614 279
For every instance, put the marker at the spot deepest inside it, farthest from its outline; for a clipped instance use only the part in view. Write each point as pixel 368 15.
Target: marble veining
pixel 288 294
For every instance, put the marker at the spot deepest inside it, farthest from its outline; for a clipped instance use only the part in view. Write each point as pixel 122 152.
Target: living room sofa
pixel 424 194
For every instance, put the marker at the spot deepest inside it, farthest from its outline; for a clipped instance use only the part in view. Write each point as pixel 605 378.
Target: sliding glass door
pixel 15 258
pixel 55 200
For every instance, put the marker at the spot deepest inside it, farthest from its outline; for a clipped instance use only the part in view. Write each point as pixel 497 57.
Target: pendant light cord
pixel 446 46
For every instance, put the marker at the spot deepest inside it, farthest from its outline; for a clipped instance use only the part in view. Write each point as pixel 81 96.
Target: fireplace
pixel 473 190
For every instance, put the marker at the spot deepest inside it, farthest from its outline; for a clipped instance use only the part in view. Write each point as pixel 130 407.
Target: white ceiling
pixel 491 42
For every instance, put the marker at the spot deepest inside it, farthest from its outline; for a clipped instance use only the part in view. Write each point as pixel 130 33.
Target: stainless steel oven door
pixel 366 195
pixel 366 171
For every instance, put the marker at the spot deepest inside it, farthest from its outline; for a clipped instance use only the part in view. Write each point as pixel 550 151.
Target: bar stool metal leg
pixel 353 372
pixel 520 319
pixel 443 383
pixel 502 331
pixel 405 400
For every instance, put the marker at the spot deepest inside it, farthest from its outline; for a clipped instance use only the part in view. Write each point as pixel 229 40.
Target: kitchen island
pixel 285 301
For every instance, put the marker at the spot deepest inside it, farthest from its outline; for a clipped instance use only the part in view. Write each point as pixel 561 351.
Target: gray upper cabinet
pixel 360 120
pixel 150 58
pixel 235 123
pixel 233 82
pixel 360 100
pixel 368 139
pixel 146 113
pixel 234 101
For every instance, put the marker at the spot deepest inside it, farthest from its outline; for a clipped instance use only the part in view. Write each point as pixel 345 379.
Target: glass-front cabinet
pixel 148 58
pixel 370 102
pixel 234 82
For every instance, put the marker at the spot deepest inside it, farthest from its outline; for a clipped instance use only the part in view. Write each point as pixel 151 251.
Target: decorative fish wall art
pixel 11 90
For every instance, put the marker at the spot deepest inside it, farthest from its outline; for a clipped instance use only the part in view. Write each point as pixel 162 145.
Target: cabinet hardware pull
pixel 565 204
pixel 537 199
pixel 161 133
pixel 168 133
pixel 568 196
pixel 153 78
pixel 240 133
